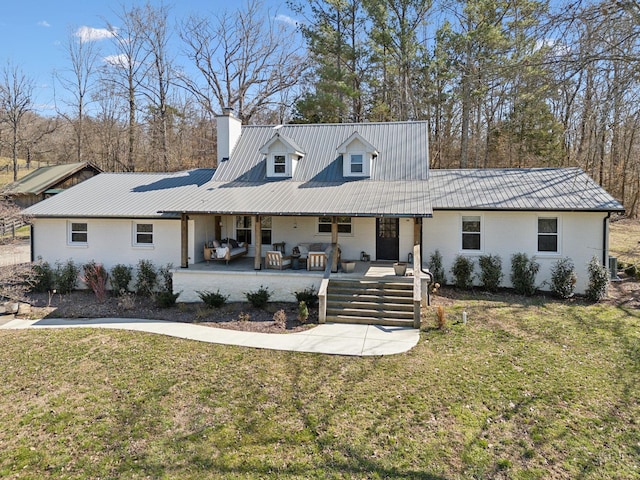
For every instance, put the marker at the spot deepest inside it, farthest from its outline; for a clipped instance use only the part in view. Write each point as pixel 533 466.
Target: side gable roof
pixel 44 178
pixel 403 152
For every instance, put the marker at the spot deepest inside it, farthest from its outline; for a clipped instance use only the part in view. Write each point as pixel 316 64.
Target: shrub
pixel 95 276
pixel 563 278
pixel 436 268
pixel 66 276
pixel 259 298
pixel 120 278
pixel 166 299
pixel 309 296
pixel 213 299
pixel 280 319
pixel 490 272
pixel 631 270
pixel 303 312
pixel 462 270
pixel 167 278
pixel 523 274
pixel 44 277
pixel 598 281
pixel 146 278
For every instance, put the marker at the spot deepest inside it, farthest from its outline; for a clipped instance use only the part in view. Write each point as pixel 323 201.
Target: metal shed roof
pixel 43 178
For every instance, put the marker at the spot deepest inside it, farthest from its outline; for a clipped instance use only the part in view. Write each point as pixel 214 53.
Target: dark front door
pixel 387 238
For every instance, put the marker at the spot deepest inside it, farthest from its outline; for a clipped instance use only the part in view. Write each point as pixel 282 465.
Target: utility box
pixel 613 269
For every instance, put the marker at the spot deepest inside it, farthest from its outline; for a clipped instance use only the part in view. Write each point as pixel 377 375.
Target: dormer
pixel 282 155
pixel 357 156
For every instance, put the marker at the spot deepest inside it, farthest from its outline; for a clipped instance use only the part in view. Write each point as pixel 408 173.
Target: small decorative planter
pixel 400 268
pixel 348 266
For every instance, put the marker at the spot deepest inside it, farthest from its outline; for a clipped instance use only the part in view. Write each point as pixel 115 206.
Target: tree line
pixel 501 83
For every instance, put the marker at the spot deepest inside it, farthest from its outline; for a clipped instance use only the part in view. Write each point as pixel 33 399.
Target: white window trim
pixel 340 234
pixel 271 167
pixel 251 228
pixel 481 233
pixel 558 252
pixel 134 233
pixel 70 242
pixel 366 164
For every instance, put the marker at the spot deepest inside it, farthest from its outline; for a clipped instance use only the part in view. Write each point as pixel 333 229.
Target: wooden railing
pixel 324 284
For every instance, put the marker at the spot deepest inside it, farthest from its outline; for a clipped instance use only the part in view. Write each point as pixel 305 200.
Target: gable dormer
pixel 357 156
pixel 282 155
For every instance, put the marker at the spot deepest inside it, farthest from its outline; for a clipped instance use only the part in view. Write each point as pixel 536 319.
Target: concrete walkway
pixel 330 338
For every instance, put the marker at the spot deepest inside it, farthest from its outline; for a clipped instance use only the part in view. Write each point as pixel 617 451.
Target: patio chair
pixel 276 261
pixel 316 261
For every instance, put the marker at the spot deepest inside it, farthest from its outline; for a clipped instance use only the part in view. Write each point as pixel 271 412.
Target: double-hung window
pixel 471 232
pixel 279 164
pixel 143 234
pixel 357 163
pixel 265 227
pixel 547 234
pixel 78 233
pixel 243 229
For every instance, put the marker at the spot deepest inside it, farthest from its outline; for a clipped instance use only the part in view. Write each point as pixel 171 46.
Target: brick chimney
pixel 229 129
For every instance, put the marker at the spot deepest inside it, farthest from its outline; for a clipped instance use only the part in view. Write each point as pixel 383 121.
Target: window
pixel 357 163
pixel 143 234
pixel 265 225
pixel 344 225
pixel 243 229
pixel 547 234
pixel 280 164
pixel 78 232
pixel 471 233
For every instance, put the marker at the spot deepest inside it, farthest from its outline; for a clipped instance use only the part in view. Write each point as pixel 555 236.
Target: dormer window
pixel 357 156
pixel 282 156
pixel 279 164
pixel 356 161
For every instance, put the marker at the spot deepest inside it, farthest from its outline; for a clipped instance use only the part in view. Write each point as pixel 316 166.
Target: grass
pixel 624 238
pixel 6 176
pixel 527 389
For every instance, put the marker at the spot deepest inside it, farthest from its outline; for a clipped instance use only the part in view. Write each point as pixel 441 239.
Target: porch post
pixel 257 233
pixel 334 242
pixel 417 228
pixel 184 240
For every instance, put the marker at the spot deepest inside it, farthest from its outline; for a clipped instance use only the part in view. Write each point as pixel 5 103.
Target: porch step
pixel 372 302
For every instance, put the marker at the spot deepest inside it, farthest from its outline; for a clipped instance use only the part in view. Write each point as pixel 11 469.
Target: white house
pixel 366 187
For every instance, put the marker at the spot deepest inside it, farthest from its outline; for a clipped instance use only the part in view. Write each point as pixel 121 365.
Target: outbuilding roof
pixel 43 178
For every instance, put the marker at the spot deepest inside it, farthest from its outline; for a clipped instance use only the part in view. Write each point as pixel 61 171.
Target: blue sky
pixel 35 32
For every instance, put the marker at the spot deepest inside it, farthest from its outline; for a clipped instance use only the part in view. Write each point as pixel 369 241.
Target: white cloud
pixel 43 23
pixel 286 19
pixel 116 60
pixel 90 34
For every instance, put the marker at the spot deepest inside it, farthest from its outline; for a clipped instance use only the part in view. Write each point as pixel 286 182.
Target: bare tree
pixel 127 69
pixel 83 57
pixel 246 60
pixel 16 95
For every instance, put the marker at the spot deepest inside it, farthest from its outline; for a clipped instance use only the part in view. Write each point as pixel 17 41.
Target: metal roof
pixel 403 151
pixel 565 189
pixel 43 178
pixel 167 195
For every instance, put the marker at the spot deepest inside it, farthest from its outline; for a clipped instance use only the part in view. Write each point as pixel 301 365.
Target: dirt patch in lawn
pixel 233 315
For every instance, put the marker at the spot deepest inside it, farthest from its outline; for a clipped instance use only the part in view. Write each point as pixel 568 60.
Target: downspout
pixel 605 240
pixel 32 243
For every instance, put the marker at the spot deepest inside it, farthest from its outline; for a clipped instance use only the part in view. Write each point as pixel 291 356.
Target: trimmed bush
pixel 259 298
pixel 523 274
pixel 166 299
pixel 462 271
pixel 436 268
pixel 598 281
pixel 120 278
pixel 563 278
pixel 213 299
pixel 166 277
pixel 44 278
pixel 303 312
pixel 309 296
pixel 490 272
pixel 146 278
pixel 66 276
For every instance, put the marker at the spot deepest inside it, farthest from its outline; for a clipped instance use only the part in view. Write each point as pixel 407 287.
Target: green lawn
pixel 525 390
pixel 528 389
